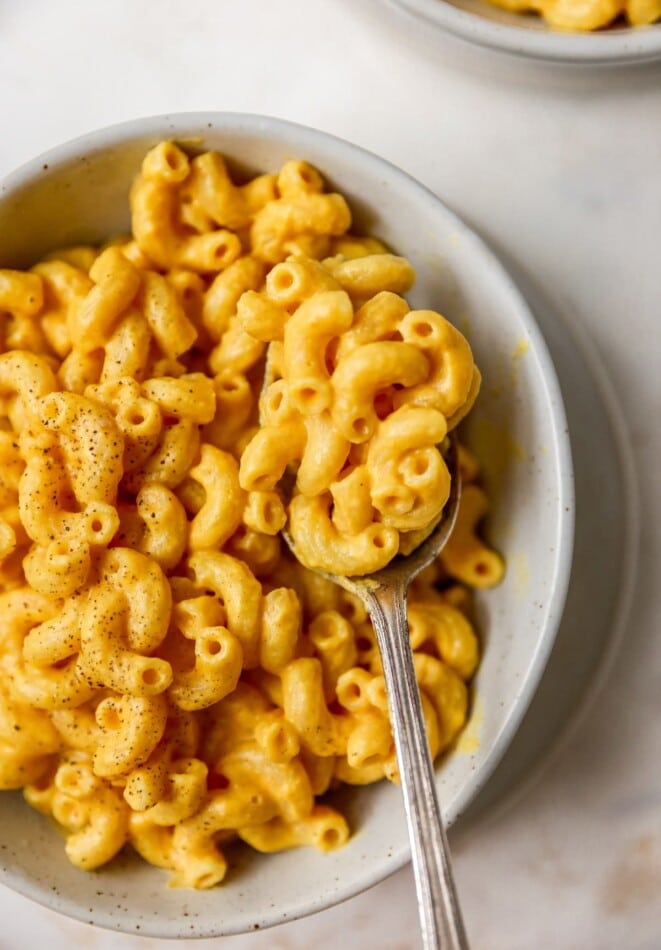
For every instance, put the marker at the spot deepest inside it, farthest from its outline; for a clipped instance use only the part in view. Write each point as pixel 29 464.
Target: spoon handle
pixel 440 916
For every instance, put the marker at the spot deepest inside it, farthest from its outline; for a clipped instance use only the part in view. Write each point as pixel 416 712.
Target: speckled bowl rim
pixel 612 47
pixel 186 126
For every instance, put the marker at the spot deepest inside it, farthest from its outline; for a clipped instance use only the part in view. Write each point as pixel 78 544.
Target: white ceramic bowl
pixel 527 35
pixel 78 192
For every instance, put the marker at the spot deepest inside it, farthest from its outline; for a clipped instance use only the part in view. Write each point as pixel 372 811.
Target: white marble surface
pixel 561 170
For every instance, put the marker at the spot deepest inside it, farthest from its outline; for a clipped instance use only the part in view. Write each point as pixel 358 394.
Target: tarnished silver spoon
pixel 384 595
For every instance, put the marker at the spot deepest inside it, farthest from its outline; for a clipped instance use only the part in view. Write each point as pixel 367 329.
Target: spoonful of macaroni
pixel 362 400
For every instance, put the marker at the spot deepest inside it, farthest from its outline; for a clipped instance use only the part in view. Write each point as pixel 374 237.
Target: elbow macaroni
pixel 169 675
pixel 589 15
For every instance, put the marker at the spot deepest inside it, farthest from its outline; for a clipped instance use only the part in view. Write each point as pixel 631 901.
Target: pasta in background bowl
pixel 592 15
pixel 583 34
pixel 517 428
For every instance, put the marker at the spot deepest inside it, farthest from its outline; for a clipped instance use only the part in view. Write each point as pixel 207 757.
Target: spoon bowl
pixel 404 568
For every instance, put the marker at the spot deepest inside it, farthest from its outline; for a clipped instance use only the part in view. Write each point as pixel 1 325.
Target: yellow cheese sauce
pixel 469 740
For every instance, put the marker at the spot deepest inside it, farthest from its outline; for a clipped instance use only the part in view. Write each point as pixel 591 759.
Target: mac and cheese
pixel 170 676
pixel 585 15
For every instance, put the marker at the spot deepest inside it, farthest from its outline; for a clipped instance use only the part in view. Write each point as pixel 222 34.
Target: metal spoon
pixel 384 595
